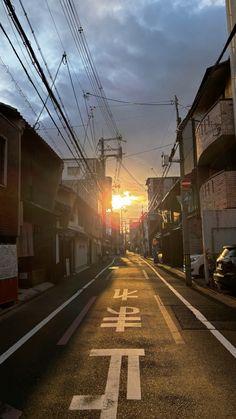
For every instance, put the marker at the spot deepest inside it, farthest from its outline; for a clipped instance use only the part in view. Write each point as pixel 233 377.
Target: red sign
pixel 186 183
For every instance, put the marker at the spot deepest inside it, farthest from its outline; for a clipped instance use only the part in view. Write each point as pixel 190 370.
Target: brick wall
pixel 219 192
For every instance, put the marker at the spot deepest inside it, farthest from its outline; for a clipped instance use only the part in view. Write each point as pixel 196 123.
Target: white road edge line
pixel 230 348
pixel 5 355
pixel 108 277
pixel 145 274
pixel 75 324
pixel 170 323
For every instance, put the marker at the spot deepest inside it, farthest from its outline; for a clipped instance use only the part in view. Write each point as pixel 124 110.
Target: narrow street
pixel 132 341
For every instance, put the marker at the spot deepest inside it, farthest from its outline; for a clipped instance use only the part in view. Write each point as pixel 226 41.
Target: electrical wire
pixel 77 104
pixel 147 151
pixel 29 105
pixel 46 66
pixel 130 174
pixel 44 80
pixel 50 115
pixel 54 80
pixel 76 29
pixel 163 103
pixel 69 64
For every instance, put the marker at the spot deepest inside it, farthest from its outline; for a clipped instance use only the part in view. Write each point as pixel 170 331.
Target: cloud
pixel 144 50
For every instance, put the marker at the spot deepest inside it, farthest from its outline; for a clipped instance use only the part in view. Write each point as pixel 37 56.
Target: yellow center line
pixel 170 323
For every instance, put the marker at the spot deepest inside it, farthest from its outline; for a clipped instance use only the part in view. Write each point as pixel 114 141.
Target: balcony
pixel 215 132
pixel 219 191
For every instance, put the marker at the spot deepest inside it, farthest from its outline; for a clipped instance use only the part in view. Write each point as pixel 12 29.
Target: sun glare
pixel 121 201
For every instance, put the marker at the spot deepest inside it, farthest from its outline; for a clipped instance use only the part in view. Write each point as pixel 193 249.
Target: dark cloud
pixel 143 51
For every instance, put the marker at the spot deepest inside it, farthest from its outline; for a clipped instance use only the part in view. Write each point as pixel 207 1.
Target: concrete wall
pixel 218 229
pixel 195 235
pixel 80 253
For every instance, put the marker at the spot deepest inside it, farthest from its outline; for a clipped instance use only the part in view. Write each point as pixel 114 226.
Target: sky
pixel 144 51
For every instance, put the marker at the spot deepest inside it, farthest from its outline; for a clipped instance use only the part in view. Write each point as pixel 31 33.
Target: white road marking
pixel 108 402
pixel 133 379
pixel 129 278
pixel 103 270
pixel 9 412
pixel 230 348
pixel 122 318
pixel 145 274
pixel 172 327
pixel 69 332
pixel 5 355
pixel 125 294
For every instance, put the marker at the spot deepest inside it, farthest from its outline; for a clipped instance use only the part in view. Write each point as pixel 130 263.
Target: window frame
pixel 3 175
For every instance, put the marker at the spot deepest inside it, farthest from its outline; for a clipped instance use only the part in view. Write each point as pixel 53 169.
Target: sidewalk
pixel 26 294
pixel 200 285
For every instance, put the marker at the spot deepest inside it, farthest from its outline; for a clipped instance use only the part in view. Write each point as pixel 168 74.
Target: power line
pixel 148 151
pixel 77 103
pixel 50 115
pixel 163 103
pixel 46 65
pixel 54 80
pixel 76 29
pixel 44 79
pixel 29 104
pixel 70 76
pixel 130 174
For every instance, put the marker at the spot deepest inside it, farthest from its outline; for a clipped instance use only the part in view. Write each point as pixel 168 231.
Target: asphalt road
pixel 132 342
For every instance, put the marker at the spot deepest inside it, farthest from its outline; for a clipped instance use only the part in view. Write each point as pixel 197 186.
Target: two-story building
pixel 209 148
pixel 86 216
pixel 157 188
pixel 216 162
pixel 31 172
pixel 10 190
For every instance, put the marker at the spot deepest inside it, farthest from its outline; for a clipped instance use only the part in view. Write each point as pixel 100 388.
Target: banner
pixel 8 261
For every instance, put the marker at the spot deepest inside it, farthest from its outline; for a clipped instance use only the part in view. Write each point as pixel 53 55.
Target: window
pixel 3 149
pixel 73 171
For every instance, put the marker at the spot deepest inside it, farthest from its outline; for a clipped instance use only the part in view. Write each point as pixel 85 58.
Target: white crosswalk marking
pixel 108 402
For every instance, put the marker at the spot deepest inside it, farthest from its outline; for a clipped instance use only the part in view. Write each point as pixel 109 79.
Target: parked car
pixel 197 265
pixel 157 258
pixel 225 273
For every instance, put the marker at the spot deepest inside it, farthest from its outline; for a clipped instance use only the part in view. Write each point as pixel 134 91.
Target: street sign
pixel 186 183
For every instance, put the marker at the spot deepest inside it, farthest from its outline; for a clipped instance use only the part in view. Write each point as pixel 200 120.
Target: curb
pixel 230 301
pixel 30 294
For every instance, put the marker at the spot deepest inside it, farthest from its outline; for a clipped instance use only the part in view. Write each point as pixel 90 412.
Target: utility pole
pixel 143 234
pixel 184 201
pixel 106 152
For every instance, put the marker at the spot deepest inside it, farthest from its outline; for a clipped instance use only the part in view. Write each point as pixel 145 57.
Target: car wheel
pixel 201 271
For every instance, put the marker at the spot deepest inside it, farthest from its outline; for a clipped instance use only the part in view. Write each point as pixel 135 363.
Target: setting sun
pixel 120 201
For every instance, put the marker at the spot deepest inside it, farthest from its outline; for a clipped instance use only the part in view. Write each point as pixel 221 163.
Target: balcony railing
pixel 218 122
